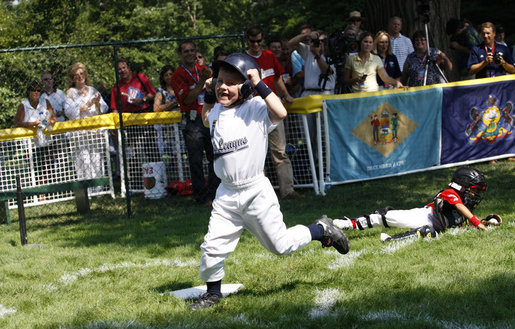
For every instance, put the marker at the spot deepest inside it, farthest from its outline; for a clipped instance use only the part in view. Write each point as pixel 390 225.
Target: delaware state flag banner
pixel 478 121
pixel 384 134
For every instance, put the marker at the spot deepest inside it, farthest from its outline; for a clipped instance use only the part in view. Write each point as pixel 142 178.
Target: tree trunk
pixel 378 12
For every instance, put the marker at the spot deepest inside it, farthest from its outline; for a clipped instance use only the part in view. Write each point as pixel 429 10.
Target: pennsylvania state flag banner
pixel 478 121
pixel 385 134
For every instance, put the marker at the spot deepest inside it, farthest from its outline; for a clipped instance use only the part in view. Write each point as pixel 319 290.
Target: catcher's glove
pixel 492 219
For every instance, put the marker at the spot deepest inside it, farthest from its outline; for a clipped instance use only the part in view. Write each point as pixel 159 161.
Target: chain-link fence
pixel 90 149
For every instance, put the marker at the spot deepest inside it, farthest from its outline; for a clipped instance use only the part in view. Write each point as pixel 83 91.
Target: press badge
pixel 200 99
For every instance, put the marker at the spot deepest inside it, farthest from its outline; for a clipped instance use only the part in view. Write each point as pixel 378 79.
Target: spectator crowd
pixel 296 67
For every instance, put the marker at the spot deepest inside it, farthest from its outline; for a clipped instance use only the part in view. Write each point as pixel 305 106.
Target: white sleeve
pixel 102 103
pixel 303 50
pixel 71 107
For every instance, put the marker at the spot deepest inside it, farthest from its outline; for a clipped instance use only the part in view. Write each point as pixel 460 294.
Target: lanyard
pixel 191 75
pixel 423 59
pixel 493 49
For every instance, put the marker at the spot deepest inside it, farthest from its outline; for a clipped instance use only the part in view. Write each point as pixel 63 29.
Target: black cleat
pixel 204 301
pixel 333 237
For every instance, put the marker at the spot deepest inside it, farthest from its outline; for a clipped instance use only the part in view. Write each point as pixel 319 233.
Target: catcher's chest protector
pixel 445 215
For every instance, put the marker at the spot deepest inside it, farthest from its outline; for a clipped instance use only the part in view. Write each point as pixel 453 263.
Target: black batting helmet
pixel 466 179
pixel 241 63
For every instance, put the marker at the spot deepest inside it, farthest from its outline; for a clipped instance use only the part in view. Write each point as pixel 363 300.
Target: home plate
pixel 192 293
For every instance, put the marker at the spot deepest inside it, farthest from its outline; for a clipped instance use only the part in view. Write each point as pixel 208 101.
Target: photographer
pixel 490 58
pixel 316 68
pixel 414 71
pixel 319 76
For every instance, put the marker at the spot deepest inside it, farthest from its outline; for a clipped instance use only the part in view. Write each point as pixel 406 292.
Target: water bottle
pixel 328 183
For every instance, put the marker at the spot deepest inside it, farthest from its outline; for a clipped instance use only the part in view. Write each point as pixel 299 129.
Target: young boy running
pixel 239 125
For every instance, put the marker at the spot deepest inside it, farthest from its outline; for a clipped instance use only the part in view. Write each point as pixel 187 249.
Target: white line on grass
pixel 69 278
pixel 112 324
pixel 347 260
pixel 393 246
pixel 385 316
pixel 6 311
pixel 324 301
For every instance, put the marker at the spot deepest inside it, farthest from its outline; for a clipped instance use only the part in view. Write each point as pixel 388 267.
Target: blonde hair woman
pixel 383 49
pixel 82 100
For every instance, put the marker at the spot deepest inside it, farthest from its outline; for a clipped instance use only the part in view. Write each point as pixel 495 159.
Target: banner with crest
pixel 384 134
pixel 478 121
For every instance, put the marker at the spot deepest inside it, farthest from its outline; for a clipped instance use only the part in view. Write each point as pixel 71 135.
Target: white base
pixel 192 293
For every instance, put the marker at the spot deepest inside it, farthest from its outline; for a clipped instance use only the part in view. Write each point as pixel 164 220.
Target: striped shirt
pixel 401 47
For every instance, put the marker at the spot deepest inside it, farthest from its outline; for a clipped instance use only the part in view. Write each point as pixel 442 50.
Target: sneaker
pixel 205 300
pixel 344 223
pixel 333 237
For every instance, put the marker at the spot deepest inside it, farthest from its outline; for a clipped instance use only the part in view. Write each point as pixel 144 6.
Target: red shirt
pixel 134 89
pixel 183 81
pixel 449 195
pixel 270 68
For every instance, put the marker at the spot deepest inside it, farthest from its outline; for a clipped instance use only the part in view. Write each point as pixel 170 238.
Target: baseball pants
pixel 411 218
pixel 252 206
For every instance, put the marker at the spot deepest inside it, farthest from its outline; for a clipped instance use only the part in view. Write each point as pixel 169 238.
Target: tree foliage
pixel 31 23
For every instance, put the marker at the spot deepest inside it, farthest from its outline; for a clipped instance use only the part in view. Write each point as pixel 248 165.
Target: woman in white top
pixel 361 69
pixel 83 101
pixel 37 112
pixel 34 110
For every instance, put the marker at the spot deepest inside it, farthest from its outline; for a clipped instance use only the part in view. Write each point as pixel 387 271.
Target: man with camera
pixel 319 76
pixel 490 58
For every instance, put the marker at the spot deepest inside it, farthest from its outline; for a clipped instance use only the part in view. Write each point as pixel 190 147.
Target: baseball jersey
pixel 240 140
pixel 478 54
pixel 183 81
pixel 135 88
pixel 270 67
pixel 449 195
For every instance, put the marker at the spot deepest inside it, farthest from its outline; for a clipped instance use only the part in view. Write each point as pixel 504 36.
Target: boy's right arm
pixel 462 209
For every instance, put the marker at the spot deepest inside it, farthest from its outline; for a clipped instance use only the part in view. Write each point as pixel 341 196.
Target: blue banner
pixel 386 134
pixel 478 121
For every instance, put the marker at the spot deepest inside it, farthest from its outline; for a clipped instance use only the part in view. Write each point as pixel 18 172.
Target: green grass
pixel 106 271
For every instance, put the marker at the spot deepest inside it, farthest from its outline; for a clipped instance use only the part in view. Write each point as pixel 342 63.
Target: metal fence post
pixel 128 195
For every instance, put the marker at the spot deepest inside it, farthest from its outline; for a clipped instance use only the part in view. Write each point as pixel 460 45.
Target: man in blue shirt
pixel 490 59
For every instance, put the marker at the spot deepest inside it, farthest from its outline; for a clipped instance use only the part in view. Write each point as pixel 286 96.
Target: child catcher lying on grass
pixel 450 208
pixel 245 199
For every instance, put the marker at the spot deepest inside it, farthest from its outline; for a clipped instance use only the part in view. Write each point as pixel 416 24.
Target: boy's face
pixel 227 91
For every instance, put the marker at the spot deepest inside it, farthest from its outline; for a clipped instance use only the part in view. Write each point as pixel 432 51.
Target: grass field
pixel 106 271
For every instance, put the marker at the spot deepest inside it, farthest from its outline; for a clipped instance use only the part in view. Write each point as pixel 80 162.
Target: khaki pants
pixel 277 144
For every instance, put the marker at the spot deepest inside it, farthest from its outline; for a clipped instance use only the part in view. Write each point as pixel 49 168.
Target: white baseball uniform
pixel 245 198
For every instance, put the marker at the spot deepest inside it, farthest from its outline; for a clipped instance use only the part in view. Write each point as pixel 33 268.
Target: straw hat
pixel 355 15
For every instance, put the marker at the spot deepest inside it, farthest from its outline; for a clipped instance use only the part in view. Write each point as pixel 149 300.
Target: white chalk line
pixel 324 301
pixel 69 278
pixel 4 311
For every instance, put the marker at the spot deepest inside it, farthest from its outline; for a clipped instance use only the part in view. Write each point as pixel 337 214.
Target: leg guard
pixel 358 222
pixel 382 212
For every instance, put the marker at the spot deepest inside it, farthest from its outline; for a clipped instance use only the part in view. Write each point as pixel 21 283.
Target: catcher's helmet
pixel 466 180
pixel 241 63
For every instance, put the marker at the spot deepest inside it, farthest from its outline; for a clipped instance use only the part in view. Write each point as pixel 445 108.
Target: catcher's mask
pixel 469 183
pixel 241 63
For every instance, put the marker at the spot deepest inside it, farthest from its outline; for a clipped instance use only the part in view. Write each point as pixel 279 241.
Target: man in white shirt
pixel 56 97
pixel 401 45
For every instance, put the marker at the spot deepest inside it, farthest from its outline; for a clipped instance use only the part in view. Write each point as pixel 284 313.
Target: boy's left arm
pixel 276 109
pixel 470 216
